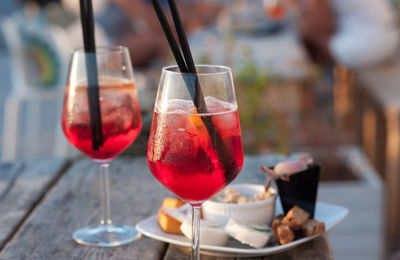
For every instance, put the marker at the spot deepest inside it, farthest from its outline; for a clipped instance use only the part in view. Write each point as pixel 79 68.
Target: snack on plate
pixel 275 224
pixel 171 203
pixel 297 222
pixel 313 227
pixel 260 211
pixel 296 218
pixel 285 234
pixel 166 222
pixel 255 235
pixel 233 196
pixel 210 233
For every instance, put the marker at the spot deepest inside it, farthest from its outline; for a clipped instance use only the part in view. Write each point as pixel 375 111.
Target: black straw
pixel 198 97
pixel 188 66
pixel 182 36
pixel 92 74
pixel 170 38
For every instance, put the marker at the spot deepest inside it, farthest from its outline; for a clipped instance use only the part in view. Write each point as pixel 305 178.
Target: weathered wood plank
pixel 74 202
pixel 182 253
pixel 318 248
pixel 22 186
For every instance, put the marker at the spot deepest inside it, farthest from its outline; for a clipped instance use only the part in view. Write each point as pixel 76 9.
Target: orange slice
pixel 196 120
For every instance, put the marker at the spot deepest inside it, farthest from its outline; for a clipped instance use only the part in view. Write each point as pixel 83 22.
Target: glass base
pixel 105 235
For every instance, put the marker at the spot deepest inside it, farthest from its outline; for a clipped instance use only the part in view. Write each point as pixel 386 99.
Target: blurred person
pixel 40 2
pixel 354 33
pixel 133 24
pixel 73 27
pixel 65 14
pixel 145 39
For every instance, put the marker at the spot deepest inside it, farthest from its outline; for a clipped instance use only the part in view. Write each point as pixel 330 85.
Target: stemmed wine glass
pixel 120 125
pixel 195 153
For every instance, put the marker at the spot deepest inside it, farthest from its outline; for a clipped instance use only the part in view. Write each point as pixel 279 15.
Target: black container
pixel 301 190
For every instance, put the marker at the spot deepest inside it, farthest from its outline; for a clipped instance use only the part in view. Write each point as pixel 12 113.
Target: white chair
pixel 45 48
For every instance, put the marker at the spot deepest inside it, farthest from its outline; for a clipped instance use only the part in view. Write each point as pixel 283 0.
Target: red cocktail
pixel 195 144
pixel 120 113
pixel 109 109
pixel 181 154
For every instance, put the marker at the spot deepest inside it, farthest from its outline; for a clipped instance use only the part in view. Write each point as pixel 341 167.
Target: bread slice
pixel 296 218
pixel 275 224
pixel 313 227
pixel 166 222
pixel 285 234
pixel 171 203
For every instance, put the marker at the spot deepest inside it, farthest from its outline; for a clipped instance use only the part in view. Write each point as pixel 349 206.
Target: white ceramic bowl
pixel 259 212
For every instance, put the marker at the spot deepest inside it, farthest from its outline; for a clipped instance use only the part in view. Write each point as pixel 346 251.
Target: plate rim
pixel 243 251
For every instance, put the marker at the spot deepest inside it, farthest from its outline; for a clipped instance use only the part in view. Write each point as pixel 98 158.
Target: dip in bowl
pixel 258 208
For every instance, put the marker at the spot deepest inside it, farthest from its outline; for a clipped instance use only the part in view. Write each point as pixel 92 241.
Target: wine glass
pixel 195 150
pixel 120 125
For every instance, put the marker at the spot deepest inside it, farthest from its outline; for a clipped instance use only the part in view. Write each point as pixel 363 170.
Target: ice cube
pixel 215 105
pixel 118 117
pixel 204 162
pixel 227 121
pixel 183 140
pixel 178 106
pixel 77 109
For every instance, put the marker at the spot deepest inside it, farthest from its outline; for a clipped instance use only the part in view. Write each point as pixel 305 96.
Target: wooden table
pixel 42 202
pixel 378 99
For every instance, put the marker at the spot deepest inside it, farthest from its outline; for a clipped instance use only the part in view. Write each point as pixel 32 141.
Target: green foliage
pixel 251 82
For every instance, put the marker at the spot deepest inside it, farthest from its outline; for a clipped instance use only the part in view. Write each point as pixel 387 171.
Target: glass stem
pixel 195 232
pixel 105 194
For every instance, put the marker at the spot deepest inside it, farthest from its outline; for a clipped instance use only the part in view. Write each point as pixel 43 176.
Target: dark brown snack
pixel 296 218
pixel 275 224
pixel 285 234
pixel 313 227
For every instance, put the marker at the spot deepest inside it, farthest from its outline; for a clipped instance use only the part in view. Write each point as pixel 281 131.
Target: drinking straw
pixel 187 66
pixel 86 11
pixel 170 38
pixel 198 97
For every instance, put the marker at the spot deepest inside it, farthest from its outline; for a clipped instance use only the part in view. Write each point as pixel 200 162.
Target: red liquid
pixel 120 113
pixel 180 153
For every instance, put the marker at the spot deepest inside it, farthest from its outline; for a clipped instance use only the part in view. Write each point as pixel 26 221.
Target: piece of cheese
pixel 210 234
pixel 255 235
pixel 166 222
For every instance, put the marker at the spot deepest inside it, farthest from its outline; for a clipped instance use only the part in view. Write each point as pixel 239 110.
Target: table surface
pixel 43 201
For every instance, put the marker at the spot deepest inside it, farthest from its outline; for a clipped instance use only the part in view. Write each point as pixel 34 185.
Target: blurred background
pixel 311 76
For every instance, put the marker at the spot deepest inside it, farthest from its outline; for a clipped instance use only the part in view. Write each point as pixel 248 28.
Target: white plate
pixel 329 213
